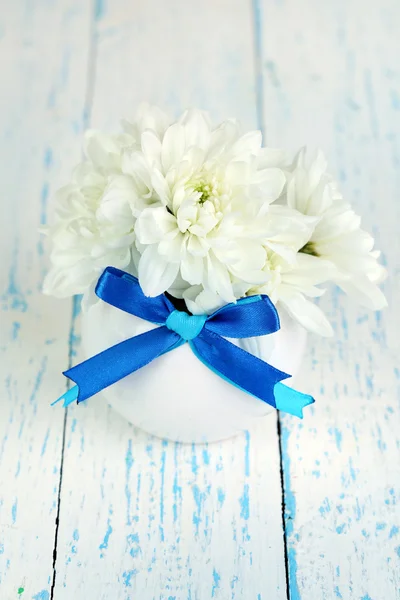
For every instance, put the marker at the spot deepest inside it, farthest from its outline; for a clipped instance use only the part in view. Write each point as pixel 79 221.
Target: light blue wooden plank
pixel 331 79
pixel 43 71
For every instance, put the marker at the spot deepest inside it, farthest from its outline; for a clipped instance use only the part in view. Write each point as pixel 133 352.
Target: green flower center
pixel 309 248
pixel 205 190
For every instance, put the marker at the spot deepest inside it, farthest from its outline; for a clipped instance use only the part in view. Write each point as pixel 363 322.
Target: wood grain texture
pixel 43 68
pixel 331 79
pixel 142 518
pixel 149 519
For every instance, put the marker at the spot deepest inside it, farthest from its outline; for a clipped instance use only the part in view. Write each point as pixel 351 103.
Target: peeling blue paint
pixel 198 499
pixel 38 379
pixel 14 510
pixel 365 533
pixel 13 293
pixel 216 580
pixel 247 455
pixel 99 9
pixel 220 496
pixel 133 544
pixel 44 196
pixel 162 473
pixel 194 464
pixel 352 470
pixel 293 585
pixel 325 507
pixel 128 467
pixel 176 488
pixel 43 595
pixel 16 326
pixel 290 514
pixel 44 446
pixel 245 503
pixel 104 544
pixel 48 158
pixel 394 531
pixel 338 439
pixel 127 577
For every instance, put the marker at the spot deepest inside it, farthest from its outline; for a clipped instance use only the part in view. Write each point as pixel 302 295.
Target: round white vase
pixel 176 396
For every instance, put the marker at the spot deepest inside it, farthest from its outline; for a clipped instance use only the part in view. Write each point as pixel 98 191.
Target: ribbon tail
pixel 115 363
pixel 291 401
pixel 239 367
pixel 68 397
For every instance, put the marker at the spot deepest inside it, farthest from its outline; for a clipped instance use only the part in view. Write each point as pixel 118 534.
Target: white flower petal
pixel 268 184
pixel 197 246
pixel 271 157
pixel 202 302
pixel 160 186
pixel 217 278
pixel 156 274
pixel 153 224
pixel 307 314
pixel 317 170
pixel 133 163
pixel 238 172
pixel 148 117
pixel 170 247
pixel 222 138
pixel 102 150
pixel 249 143
pixel 363 291
pixel 192 269
pixel 173 146
pixel 197 129
pixel 151 147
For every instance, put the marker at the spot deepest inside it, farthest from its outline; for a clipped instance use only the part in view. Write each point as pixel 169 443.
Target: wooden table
pixel 92 509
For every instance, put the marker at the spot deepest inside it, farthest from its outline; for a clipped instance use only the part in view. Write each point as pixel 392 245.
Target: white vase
pixel 176 396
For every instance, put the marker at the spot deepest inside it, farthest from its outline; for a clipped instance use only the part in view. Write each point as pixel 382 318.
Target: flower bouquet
pixel 199 255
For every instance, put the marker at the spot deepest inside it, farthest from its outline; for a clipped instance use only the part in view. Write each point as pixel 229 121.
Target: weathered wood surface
pixel 138 517
pixel 331 78
pixel 43 64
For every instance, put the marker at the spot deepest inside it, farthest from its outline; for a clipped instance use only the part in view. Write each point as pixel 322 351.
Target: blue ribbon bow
pixel 248 317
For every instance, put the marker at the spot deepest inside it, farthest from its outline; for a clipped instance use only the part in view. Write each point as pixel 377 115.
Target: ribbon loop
pixel 123 291
pixel 248 317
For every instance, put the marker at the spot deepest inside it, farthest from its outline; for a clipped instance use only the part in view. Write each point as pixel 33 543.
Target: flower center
pixel 309 248
pixel 206 191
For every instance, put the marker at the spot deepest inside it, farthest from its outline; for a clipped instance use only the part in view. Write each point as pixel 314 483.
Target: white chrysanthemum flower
pixel 337 237
pixel 291 284
pixel 94 225
pixel 282 233
pixel 95 213
pixel 211 187
pixel 204 214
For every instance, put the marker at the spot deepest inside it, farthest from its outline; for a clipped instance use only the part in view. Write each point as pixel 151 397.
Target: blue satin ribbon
pixel 248 317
